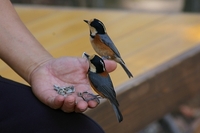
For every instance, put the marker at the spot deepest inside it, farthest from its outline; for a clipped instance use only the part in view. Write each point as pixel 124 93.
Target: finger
pixel 55 102
pixel 69 104
pixel 110 65
pixel 92 104
pixel 81 106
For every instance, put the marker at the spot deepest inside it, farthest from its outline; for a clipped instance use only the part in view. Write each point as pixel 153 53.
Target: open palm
pixel 64 71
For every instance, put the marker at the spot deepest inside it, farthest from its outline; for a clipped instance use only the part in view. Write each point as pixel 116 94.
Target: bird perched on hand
pixel 103 45
pixel 101 82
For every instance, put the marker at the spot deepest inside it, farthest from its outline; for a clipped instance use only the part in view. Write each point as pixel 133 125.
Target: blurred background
pixel 187 115
pixel 136 5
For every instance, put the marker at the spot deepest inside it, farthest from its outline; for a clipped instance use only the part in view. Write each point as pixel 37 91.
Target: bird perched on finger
pixel 103 45
pixel 101 82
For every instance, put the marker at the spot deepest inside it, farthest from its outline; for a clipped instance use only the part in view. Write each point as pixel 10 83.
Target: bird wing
pixel 103 86
pixel 106 39
pixel 108 94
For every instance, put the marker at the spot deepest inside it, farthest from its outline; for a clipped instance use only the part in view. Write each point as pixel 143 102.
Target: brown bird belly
pixel 101 48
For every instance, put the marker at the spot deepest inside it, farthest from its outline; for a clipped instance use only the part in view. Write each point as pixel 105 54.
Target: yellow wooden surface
pixel 145 40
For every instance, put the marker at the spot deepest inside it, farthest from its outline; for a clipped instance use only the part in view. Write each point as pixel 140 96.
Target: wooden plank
pixel 145 40
pixel 63 32
pixel 29 14
pixel 197 127
pixel 151 95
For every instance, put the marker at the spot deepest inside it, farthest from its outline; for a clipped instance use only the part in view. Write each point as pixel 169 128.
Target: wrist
pixel 35 65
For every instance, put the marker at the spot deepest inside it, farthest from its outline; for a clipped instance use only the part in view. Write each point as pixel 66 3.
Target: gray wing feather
pixel 104 85
pixel 106 39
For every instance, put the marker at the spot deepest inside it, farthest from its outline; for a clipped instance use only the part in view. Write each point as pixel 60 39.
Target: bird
pixel 103 45
pixel 101 82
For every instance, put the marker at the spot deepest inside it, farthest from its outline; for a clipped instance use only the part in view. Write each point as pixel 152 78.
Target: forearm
pixel 18 48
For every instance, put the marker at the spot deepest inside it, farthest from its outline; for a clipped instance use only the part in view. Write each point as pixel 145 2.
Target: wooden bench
pixel 162 51
pixel 153 94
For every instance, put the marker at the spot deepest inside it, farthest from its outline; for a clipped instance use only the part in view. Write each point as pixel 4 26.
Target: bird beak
pixel 86 21
pixel 85 55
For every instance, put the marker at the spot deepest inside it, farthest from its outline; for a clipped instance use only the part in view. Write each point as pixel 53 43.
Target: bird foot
pixel 89 96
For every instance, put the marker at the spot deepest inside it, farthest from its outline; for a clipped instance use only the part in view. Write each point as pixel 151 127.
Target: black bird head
pixel 96 64
pixel 96 27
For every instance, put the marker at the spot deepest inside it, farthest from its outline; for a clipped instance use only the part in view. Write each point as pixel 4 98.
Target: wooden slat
pixel 145 40
pixel 197 130
pixel 30 15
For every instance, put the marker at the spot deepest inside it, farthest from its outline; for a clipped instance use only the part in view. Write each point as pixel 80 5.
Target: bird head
pixel 96 27
pixel 96 64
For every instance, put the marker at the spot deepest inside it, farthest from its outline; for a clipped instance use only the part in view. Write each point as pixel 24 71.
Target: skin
pixel 27 57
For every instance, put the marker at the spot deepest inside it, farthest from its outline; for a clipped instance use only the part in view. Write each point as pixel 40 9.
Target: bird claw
pixel 89 96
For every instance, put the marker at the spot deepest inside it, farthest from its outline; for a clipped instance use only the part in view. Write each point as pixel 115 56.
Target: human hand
pixel 64 71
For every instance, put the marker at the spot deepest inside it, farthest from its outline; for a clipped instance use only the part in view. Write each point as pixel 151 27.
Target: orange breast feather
pixel 101 48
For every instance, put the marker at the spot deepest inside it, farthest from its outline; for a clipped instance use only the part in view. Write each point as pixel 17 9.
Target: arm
pixel 18 48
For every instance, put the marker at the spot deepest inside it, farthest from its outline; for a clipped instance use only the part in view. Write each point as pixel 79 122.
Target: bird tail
pixel 117 112
pixel 126 70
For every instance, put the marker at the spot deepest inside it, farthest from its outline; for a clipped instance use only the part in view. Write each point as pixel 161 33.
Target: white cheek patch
pixel 92 68
pixel 93 31
pixel 83 55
